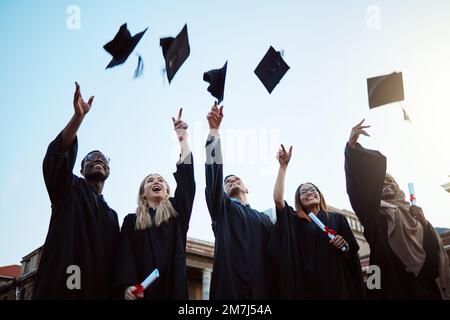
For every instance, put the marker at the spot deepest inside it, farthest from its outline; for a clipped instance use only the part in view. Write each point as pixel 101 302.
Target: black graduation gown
pixel 308 266
pixel 365 172
pixel 83 231
pixel 241 268
pixel 162 247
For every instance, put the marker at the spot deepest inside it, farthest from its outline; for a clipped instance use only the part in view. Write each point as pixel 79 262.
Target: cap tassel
pixel 406 116
pixel 140 68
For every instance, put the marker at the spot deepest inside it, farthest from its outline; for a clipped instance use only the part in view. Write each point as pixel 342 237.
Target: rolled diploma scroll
pixel 412 194
pixel 328 231
pixel 148 281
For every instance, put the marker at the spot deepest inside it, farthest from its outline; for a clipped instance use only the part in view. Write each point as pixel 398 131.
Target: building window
pixel 26 267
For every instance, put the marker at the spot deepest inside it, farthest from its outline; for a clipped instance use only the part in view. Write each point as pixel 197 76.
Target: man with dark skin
pixel 77 257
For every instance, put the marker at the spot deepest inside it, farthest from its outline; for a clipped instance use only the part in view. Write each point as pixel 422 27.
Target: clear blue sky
pixel 331 47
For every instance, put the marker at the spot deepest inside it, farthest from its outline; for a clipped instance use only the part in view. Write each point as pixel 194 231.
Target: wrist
pixel 214 131
pixel 78 116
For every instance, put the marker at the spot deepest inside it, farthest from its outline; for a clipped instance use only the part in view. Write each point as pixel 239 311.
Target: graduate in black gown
pixel 78 255
pixel 403 244
pixel 309 264
pixel 155 236
pixel 241 268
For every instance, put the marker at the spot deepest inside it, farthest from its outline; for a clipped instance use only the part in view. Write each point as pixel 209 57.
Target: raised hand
pixel 356 131
pixel 215 116
pixel 283 156
pixel 180 126
pixel 81 107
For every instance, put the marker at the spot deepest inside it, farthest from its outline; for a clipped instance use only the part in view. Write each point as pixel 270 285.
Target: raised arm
pixel 365 171
pixel 61 153
pixel 214 165
pixel 184 176
pixel 181 130
pixel 81 108
pixel 278 192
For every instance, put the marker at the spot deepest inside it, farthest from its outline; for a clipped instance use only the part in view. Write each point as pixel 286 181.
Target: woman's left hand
pixel 417 213
pixel 338 242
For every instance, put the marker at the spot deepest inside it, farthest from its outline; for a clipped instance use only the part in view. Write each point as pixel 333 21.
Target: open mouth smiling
pixel 156 188
pixel 99 164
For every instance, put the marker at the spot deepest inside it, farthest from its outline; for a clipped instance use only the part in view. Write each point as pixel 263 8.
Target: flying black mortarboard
pixel 216 79
pixel 122 45
pixel 385 89
pixel 271 69
pixel 175 52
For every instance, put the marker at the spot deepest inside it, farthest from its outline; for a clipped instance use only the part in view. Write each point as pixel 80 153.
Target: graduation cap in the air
pixel 175 52
pixel 385 89
pixel 271 69
pixel 122 45
pixel 216 79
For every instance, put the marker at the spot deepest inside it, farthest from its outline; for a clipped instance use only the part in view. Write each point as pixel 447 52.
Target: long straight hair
pixel 164 211
pixel 301 210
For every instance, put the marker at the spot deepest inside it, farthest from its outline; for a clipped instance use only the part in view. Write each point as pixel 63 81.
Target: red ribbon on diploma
pixel 412 198
pixel 138 289
pixel 330 231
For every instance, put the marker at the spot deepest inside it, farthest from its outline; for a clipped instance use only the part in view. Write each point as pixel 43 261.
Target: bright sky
pixel 331 47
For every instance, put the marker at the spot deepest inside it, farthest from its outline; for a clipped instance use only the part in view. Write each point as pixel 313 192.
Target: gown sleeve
pixel 365 171
pixel 57 169
pixel 185 190
pixel 126 273
pixel 214 193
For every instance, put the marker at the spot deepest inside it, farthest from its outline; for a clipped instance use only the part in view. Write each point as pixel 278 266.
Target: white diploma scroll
pixel 328 231
pixel 148 281
pixel 412 193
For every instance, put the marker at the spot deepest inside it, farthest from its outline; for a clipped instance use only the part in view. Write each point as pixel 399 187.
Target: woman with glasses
pixel 309 264
pixel 155 236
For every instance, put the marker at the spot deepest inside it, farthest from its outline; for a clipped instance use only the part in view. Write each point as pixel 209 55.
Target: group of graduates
pixel 253 258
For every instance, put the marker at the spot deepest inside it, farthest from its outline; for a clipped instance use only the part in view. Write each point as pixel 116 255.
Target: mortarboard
pixel 216 79
pixel 122 45
pixel 271 69
pixel 385 89
pixel 175 52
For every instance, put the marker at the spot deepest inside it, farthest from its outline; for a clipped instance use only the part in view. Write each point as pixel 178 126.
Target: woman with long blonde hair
pixel 155 236
pixel 310 266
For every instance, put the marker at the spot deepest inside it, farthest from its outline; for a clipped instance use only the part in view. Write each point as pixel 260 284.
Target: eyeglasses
pixel 95 156
pixel 305 192
pixel 231 180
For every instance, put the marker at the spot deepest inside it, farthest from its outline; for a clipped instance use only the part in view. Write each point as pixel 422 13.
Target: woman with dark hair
pixel 309 265
pixel 155 236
